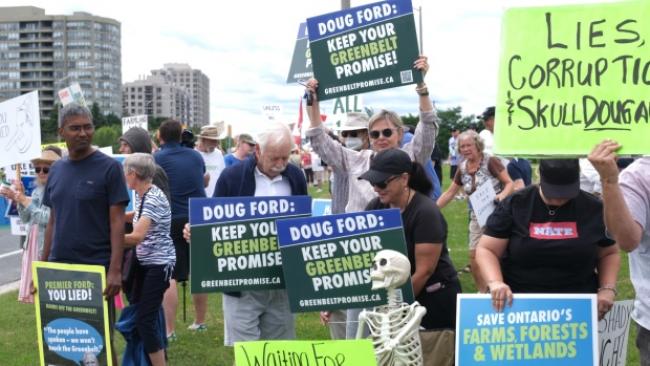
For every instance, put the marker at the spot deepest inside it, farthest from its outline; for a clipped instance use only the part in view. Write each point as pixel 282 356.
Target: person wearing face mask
pixel 385 131
pixel 354 136
pixel 354 131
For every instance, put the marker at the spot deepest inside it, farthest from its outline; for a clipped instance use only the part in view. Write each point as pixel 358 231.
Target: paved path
pixel 10 255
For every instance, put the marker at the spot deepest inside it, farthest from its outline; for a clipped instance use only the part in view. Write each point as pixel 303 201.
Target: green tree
pixel 155 122
pixel 411 120
pixel 49 127
pixel 449 119
pixel 112 120
pixel 98 117
pixel 107 136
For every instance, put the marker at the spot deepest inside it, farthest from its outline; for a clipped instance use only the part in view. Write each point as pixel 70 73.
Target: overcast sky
pixel 245 48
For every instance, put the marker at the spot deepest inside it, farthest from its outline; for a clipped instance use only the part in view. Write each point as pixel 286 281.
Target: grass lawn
pixel 18 346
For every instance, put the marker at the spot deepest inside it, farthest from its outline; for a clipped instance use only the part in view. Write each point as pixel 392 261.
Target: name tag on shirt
pixel 553 230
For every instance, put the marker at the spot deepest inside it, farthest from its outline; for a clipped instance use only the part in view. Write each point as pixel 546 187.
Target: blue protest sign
pixel 321 207
pixel 538 330
pixel 29 182
pixel 129 207
pixel 234 243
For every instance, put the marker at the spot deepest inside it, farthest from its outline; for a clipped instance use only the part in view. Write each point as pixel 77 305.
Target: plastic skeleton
pixel 393 327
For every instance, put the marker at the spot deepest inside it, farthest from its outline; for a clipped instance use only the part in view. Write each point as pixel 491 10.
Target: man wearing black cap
pixel 549 239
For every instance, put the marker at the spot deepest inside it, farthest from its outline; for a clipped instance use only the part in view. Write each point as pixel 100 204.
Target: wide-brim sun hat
pixel 47 157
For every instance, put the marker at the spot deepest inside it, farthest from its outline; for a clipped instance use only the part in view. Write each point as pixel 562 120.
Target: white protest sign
pixel 72 94
pixel 18 228
pixel 141 121
pixel 341 106
pixel 613 332
pixel 20 129
pixel 482 201
pixel 272 112
pixel 108 150
pixel 26 168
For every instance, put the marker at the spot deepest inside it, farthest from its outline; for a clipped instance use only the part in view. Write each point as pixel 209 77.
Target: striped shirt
pixel 157 247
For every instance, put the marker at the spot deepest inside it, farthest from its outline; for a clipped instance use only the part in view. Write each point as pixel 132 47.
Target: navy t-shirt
pixel 81 192
pixel 185 169
pixel 520 169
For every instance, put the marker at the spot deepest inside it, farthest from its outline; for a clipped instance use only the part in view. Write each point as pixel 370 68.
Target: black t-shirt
pixel 549 253
pixel 423 223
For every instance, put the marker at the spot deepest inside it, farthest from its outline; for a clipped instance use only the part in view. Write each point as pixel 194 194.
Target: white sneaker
pixel 198 327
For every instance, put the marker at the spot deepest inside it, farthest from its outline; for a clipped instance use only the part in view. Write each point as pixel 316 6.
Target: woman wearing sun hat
pixel 35 216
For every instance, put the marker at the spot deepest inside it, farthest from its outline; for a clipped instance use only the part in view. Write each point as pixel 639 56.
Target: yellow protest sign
pixel 71 314
pixel 358 352
pixel 571 76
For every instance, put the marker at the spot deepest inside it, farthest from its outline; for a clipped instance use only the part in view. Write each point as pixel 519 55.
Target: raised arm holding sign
pixel 364 48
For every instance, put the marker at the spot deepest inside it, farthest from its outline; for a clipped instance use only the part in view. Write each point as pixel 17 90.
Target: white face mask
pixel 354 143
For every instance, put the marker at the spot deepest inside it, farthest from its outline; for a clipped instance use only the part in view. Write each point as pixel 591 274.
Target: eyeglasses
pixel 387 132
pixel 77 128
pixel 384 184
pixel 44 169
pixel 346 134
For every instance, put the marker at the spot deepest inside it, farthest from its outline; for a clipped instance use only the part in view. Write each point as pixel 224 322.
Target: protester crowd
pixel 552 237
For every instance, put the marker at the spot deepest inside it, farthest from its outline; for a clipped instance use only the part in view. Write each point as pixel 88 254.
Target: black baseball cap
pixel 385 164
pixel 560 178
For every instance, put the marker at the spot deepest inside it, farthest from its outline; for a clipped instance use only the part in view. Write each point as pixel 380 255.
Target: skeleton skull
pixel 390 270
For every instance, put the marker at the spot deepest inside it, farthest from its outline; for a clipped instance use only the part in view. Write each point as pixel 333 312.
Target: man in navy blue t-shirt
pixel 185 169
pixel 87 194
pixel 520 172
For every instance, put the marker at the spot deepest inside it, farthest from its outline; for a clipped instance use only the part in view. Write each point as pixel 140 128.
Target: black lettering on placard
pixel 533 82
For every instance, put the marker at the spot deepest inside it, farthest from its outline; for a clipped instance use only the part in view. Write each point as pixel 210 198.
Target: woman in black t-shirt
pixel 403 184
pixel 549 239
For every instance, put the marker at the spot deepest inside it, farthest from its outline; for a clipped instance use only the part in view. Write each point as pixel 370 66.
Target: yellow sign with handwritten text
pixel 358 352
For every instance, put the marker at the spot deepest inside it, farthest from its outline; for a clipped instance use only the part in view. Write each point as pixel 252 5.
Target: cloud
pixel 245 48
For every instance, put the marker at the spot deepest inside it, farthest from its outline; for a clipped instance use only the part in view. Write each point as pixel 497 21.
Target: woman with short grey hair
pixel 142 165
pixel 476 169
pixel 155 253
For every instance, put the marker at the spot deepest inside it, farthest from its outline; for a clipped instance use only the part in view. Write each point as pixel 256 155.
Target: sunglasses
pixel 386 132
pixel 384 184
pixel 44 169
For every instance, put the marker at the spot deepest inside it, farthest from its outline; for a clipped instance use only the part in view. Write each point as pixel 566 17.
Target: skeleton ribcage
pixel 385 324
